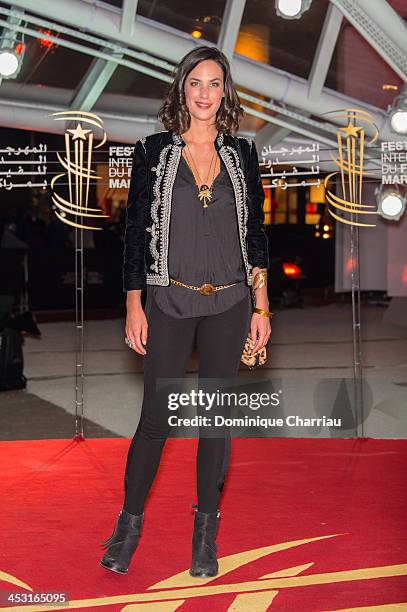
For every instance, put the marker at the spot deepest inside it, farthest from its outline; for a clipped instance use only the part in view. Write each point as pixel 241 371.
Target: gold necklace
pixel 204 192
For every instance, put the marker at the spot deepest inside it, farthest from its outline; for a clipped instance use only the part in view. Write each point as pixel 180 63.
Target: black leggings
pixel 220 339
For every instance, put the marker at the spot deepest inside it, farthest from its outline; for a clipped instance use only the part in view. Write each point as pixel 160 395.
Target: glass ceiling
pixel 356 68
pixel 128 82
pixel 50 65
pixel 275 41
pixel 188 16
pixel 117 3
pixel 203 18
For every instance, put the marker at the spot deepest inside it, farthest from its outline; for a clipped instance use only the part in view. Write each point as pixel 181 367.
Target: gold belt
pixel 204 289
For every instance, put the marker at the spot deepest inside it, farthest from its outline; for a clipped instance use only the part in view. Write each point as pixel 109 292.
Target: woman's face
pixel 204 90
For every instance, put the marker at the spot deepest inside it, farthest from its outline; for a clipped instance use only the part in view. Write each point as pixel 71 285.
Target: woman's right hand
pixel 136 322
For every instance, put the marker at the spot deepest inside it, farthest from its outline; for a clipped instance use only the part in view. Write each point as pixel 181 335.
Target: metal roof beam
pixel 271 135
pixel 382 27
pixel 128 17
pixel 324 51
pixel 36 116
pixel 231 20
pixel 94 83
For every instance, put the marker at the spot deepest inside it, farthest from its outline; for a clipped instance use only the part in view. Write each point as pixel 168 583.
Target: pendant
pixel 205 194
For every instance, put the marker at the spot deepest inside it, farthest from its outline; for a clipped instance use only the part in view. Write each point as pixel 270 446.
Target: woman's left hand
pixel 260 326
pixel 260 330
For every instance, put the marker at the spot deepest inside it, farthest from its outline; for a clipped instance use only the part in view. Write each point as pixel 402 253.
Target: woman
pixel 200 272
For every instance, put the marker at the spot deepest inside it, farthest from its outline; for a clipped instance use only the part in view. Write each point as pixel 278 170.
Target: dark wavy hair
pixel 174 113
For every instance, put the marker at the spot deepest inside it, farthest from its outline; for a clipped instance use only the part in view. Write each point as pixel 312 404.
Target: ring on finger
pixel 129 342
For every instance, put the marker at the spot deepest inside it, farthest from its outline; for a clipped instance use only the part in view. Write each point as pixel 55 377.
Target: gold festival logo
pixel 350 161
pixel 171 593
pixel 79 147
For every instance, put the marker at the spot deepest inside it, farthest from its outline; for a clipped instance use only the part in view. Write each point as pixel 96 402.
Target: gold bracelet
pixel 260 280
pixel 265 313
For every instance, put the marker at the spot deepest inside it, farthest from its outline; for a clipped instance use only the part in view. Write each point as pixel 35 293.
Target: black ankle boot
pixel 123 542
pixel 204 549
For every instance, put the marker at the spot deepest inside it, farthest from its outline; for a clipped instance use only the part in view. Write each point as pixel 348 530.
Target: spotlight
pixel 398 121
pixel 292 9
pixel 398 113
pixel 11 58
pixel 9 62
pixel 390 204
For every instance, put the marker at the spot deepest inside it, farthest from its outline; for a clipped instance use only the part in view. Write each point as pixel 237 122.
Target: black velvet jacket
pixel 155 163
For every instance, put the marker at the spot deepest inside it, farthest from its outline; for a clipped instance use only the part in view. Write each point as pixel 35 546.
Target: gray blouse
pixel 203 248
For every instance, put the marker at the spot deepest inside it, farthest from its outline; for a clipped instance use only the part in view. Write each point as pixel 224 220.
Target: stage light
pixel 390 204
pixel 11 57
pixel 398 121
pixel 292 9
pixel 196 34
pixel 398 113
pixel 9 62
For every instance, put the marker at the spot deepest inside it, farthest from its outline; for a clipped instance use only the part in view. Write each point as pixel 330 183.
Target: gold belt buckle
pixel 207 289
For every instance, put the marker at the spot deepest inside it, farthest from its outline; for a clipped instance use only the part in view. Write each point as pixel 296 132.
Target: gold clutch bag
pixel 253 360
pixel 256 359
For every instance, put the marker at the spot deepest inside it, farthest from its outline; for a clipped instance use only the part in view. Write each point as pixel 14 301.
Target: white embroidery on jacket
pixel 161 213
pixel 169 179
pixel 154 229
pixel 177 139
pixel 231 160
pixel 248 140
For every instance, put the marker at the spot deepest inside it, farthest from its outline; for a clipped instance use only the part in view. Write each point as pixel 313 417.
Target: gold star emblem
pixel 78 132
pixel 351 130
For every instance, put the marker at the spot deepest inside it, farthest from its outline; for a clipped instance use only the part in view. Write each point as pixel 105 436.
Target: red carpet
pixel 345 499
